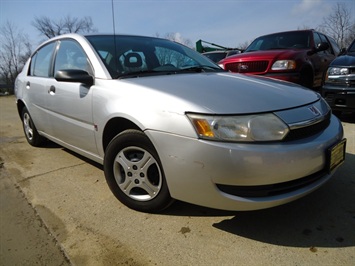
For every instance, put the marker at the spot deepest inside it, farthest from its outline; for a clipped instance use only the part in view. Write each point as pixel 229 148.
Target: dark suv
pixel 339 87
pixel 299 56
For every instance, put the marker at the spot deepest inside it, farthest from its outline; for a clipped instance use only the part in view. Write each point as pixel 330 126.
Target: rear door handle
pixel 51 90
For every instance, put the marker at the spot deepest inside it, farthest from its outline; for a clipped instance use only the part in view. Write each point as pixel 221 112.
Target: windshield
pixel 284 40
pixel 137 56
pixel 351 49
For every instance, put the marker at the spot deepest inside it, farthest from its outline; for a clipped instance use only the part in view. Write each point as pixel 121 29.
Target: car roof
pixel 290 31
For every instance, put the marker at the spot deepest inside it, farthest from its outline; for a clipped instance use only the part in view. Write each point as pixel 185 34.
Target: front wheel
pixel 306 78
pixel 134 173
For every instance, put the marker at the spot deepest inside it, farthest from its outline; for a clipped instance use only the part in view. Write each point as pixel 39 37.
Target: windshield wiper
pixel 136 74
pixel 151 72
pixel 201 68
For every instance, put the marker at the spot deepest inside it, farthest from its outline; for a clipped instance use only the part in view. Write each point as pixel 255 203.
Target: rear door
pixel 70 103
pixel 36 91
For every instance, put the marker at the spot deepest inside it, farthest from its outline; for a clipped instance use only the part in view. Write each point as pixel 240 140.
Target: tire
pixel 337 113
pixel 306 78
pixel 31 133
pixel 134 173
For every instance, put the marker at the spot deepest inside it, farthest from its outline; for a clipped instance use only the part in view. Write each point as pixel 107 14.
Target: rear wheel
pixel 31 133
pixel 134 173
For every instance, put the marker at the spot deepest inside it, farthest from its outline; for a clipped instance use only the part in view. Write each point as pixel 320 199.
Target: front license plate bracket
pixel 336 155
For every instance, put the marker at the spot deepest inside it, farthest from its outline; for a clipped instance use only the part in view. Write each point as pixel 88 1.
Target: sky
pixel 226 22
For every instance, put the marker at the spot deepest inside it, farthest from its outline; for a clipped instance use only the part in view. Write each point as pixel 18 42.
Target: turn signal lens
pixel 203 128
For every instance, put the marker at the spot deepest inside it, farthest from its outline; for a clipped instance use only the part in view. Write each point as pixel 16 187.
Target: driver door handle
pixel 51 90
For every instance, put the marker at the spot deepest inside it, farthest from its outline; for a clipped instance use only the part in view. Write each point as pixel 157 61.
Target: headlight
pixel 248 128
pixel 284 65
pixel 337 71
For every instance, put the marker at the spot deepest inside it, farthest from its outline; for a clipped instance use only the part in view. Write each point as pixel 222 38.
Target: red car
pixel 299 56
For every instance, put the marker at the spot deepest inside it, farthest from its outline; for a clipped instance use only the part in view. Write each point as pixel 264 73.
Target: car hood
pixel 344 60
pixel 267 54
pixel 224 93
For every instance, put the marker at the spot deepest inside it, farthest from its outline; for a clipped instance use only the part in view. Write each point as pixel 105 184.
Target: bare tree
pixel 340 25
pixel 244 45
pixel 68 24
pixel 176 37
pixel 14 52
pixel 166 56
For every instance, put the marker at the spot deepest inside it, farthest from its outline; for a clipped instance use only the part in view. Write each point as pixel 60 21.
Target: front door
pixel 70 103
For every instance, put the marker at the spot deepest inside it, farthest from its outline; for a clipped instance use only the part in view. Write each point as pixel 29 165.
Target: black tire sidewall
pixel 306 78
pixel 135 138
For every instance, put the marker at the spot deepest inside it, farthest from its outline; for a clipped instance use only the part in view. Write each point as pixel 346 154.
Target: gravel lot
pixel 56 209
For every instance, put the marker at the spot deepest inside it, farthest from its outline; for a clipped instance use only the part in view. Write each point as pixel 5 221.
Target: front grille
pixel 308 131
pixel 329 97
pixel 247 67
pixel 271 190
pixel 341 83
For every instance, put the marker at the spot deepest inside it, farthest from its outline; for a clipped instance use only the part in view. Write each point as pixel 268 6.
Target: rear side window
pixel 41 61
pixel 317 40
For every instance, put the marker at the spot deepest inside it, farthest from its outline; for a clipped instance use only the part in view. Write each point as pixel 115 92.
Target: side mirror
pixel 322 46
pixel 74 75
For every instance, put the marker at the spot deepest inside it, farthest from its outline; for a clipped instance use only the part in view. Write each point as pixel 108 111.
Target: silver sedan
pixel 167 123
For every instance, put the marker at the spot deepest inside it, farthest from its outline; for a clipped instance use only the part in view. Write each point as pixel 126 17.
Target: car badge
pixel 314 110
pixel 243 67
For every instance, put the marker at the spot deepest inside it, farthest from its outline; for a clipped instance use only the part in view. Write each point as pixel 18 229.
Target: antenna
pixel 114 40
pixel 113 18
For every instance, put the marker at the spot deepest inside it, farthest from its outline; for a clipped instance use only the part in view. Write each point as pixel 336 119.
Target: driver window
pixel 71 56
pixel 317 40
pixel 324 39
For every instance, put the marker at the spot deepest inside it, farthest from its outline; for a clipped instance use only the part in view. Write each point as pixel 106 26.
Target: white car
pixel 167 123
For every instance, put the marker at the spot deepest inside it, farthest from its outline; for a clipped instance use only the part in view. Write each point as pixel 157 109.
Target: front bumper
pixel 339 98
pixel 198 171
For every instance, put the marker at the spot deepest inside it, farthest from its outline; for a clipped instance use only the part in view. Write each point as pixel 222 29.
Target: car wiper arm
pixel 136 74
pixel 201 68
